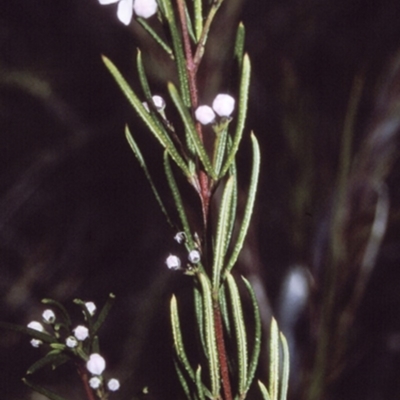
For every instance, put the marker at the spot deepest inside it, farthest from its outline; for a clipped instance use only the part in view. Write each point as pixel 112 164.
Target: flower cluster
pixel 223 105
pixel 96 366
pixel 142 8
pixel 174 263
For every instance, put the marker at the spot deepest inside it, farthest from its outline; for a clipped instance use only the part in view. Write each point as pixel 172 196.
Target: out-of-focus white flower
pixel 194 256
pixel 173 262
pixel 95 382
pixel 180 237
pixel 223 105
pixel 124 11
pixel 36 342
pixel 48 316
pixel 158 101
pixel 36 325
pixel 81 332
pixel 96 364
pixel 71 342
pixel 205 115
pixel 145 8
pixel 91 307
pixel 113 384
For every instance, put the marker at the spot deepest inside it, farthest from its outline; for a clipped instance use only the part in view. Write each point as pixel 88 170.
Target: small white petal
pixel 48 316
pixel 113 384
pixel 91 307
pixel 223 105
pixel 81 332
pixel 36 342
pixel 173 262
pixel 180 237
pixel 194 256
pixel 145 8
pixel 125 11
pixel 205 115
pixel 96 364
pixel 36 325
pixel 71 342
pixel 159 102
pixel 146 106
pixel 103 2
pixel 94 382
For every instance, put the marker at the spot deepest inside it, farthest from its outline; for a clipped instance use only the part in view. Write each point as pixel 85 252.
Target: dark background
pixel 77 218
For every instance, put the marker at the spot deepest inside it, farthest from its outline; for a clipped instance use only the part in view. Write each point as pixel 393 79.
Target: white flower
pixel 113 384
pixel 124 11
pixel 94 382
pixel 205 115
pixel 71 342
pixel 223 105
pixel 36 325
pixel 96 364
pixel 81 332
pixel 158 101
pixel 36 342
pixel 145 8
pixel 48 316
pixel 180 237
pixel 194 256
pixel 91 307
pixel 173 262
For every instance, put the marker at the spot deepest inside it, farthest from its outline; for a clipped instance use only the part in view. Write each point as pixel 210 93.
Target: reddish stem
pixel 85 381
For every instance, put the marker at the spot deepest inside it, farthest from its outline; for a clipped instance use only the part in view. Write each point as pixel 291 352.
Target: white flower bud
pixel 95 382
pixel 36 342
pixel 146 106
pixel 145 8
pixel 223 105
pixel 194 256
pixel 159 102
pixel 36 325
pixel 48 316
pixel 96 364
pixel 71 342
pixel 173 262
pixel 81 332
pixel 113 384
pixel 91 307
pixel 205 115
pixel 180 237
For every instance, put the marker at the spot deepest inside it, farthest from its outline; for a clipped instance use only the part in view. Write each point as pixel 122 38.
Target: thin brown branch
pixel 85 381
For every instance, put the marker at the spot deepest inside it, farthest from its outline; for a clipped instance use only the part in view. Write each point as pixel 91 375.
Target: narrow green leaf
pixel 239 43
pixel 285 367
pixel 264 391
pixel 189 24
pixel 103 313
pixel 178 50
pixel 140 158
pixel 249 204
pixel 182 380
pixel 95 345
pixel 224 309
pixel 50 358
pixel 198 18
pixel 178 342
pixel 255 354
pixel 86 313
pixel 240 332
pixel 190 129
pixel 232 221
pixel 199 311
pixel 242 112
pixel 221 133
pixel 142 76
pixel 199 384
pixel 61 308
pixel 213 361
pixel 160 134
pixel 156 37
pixel 44 337
pixel 274 360
pixel 222 234
pixel 42 390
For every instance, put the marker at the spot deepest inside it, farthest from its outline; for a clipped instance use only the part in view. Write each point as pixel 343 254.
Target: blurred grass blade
pixel 264 391
pixel 199 384
pixel 241 337
pixel 198 18
pixel 103 313
pixel 239 43
pixel 178 50
pixel 140 158
pixel 191 130
pixel 156 37
pixel 53 358
pixel 44 337
pixel 182 380
pixel 285 367
pixel 274 360
pixel 155 128
pixel 178 342
pixel 242 112
pixel 213 361
pixel 222 234
pixel 60 307
pixel 42 390
pixel 255 354
pixel 249 204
